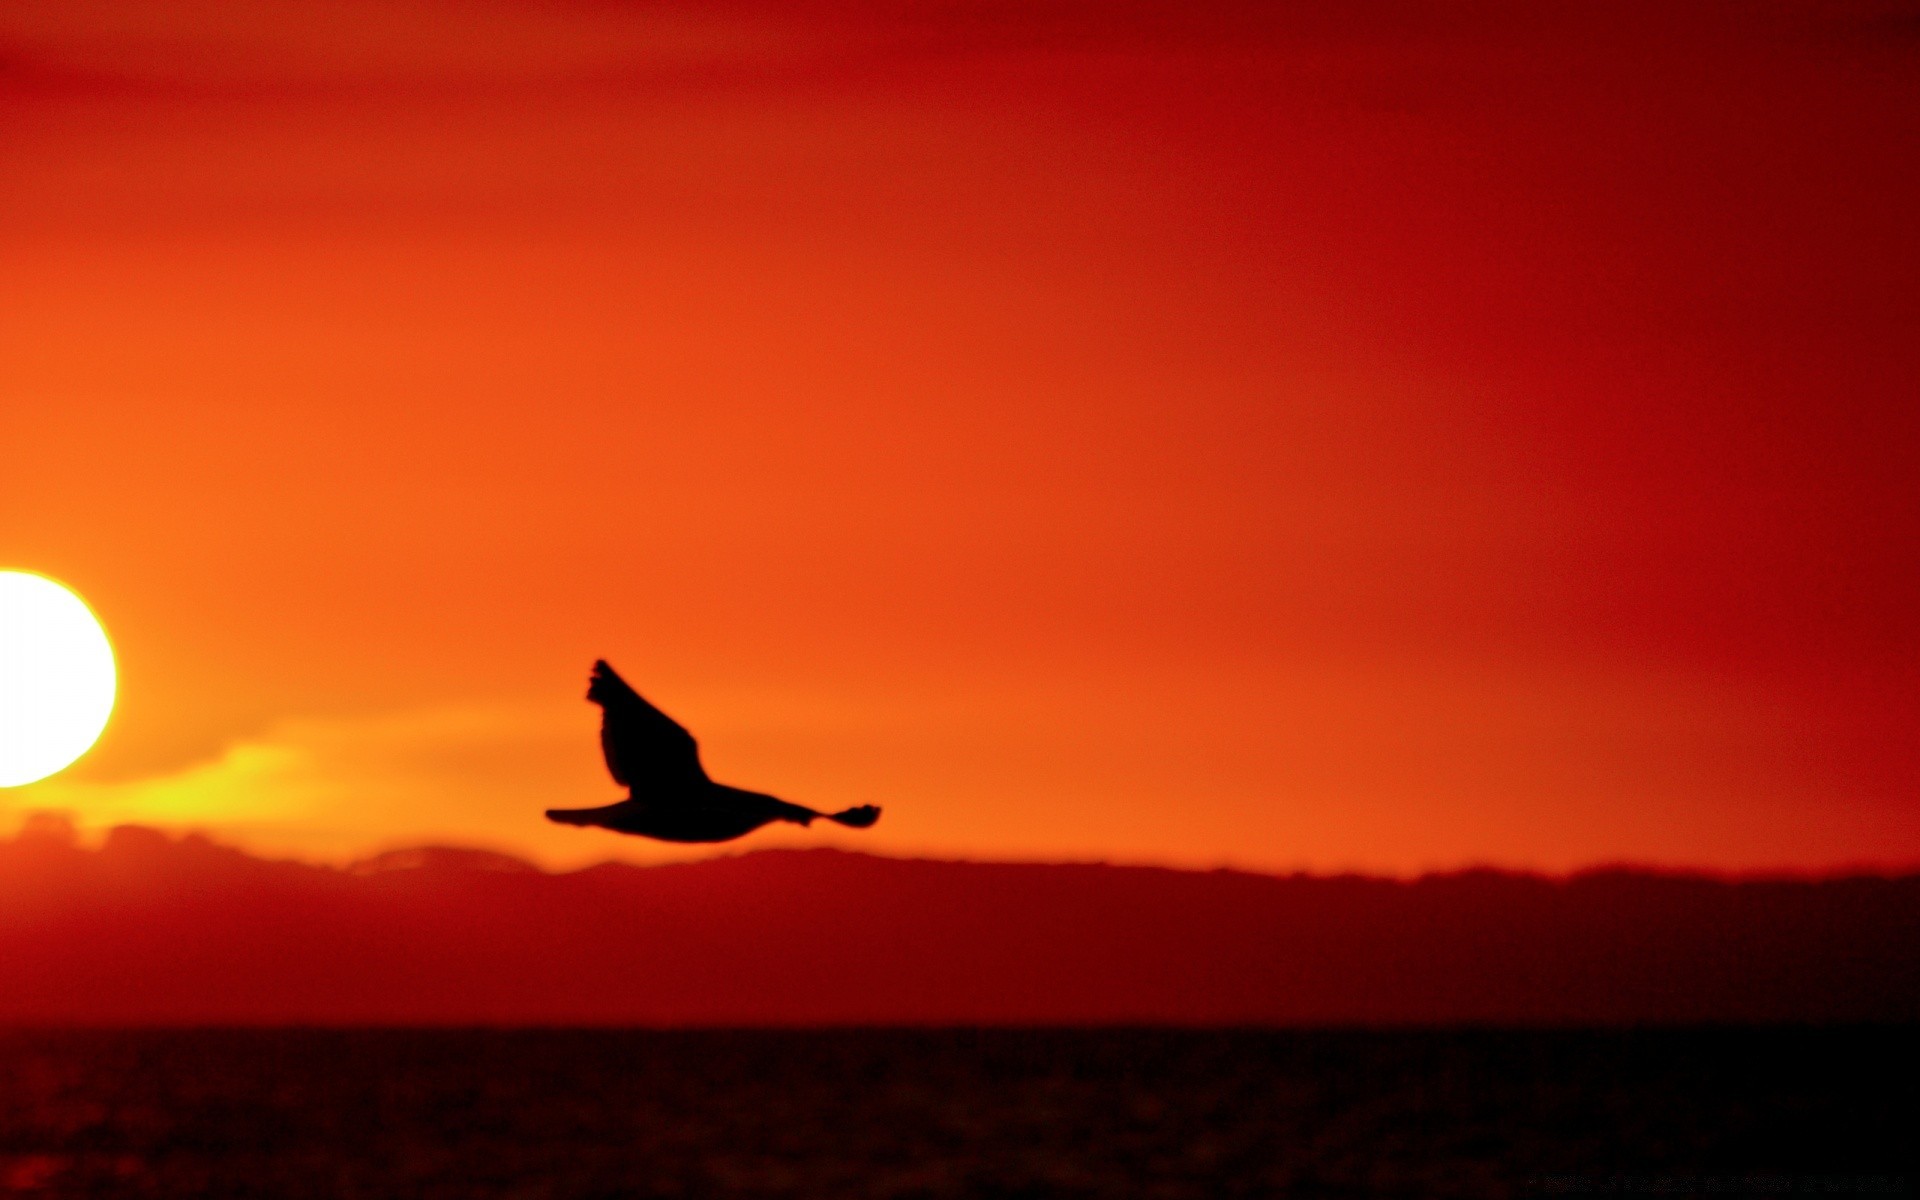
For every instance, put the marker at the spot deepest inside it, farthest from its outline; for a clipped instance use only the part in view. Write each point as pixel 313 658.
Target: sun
pixel 57 677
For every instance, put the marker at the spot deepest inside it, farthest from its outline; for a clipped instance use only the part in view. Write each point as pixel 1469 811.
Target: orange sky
pixel 1326 436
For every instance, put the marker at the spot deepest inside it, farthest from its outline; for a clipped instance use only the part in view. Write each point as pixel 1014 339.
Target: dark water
pixel 958 1113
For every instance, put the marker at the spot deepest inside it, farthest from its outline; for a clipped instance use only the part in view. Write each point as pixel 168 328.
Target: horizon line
pixel 59 828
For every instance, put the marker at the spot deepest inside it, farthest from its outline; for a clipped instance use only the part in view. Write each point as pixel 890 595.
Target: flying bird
pixel 669 796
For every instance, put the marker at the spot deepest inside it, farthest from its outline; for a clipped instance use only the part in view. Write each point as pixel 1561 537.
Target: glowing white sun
pixel 56 677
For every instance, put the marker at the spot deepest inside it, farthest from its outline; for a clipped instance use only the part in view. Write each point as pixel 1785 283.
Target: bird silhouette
pixel 669 796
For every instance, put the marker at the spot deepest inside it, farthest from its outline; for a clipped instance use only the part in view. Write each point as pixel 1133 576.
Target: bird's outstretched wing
pixel 644 746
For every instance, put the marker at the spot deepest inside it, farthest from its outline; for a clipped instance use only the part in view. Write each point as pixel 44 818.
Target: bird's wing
pixel 643 745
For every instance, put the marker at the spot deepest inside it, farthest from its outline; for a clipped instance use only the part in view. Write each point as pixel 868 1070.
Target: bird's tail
pixel 856 818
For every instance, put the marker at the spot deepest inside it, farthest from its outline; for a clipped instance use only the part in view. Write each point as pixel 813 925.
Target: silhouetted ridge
pixel 442 858
pixel 150 929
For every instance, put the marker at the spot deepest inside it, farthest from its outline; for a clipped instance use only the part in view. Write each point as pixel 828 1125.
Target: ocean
pixel 932 1113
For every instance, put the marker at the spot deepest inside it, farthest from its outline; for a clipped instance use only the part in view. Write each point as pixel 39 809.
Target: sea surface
pixel 952 1113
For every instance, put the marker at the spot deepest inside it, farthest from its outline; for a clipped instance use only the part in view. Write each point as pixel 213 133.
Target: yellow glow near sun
pixel 56 677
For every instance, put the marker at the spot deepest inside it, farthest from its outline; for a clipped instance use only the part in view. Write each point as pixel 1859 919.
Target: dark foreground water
pixel 958 1113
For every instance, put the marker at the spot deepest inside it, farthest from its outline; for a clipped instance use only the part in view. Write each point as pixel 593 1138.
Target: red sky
pixel 1328 435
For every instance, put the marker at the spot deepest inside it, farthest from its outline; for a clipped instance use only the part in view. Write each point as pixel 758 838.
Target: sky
pixel 1358 436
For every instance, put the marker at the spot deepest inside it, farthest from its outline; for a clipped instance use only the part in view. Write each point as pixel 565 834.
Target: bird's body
pixel 670 797
pixel 715 813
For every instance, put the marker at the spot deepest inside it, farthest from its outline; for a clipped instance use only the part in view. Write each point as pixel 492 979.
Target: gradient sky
pixel 1335 435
